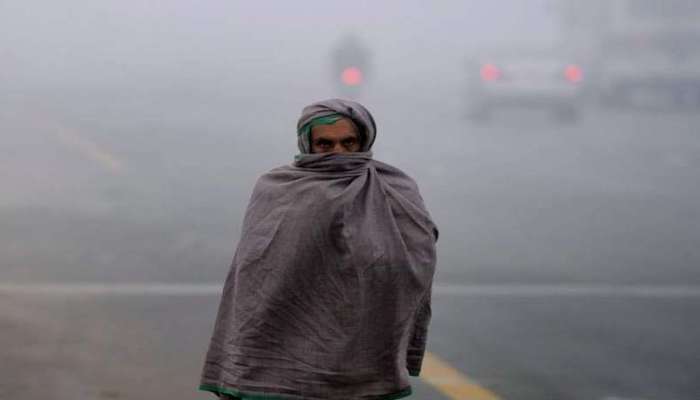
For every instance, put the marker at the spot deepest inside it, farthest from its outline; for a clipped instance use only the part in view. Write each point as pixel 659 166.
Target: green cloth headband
pixel 325 120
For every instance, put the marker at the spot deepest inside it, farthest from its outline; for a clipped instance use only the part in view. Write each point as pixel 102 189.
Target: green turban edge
pixel 325 120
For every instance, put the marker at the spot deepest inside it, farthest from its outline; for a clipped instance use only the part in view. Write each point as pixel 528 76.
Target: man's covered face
pixel 339 137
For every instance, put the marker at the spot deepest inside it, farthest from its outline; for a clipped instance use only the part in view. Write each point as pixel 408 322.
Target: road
pixel 572 251
pixel 533 345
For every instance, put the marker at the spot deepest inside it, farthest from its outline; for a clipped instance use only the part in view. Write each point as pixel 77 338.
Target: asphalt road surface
pixel 516 344
pixel 571 250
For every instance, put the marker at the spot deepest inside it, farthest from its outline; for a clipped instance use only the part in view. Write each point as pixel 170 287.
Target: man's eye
pixel 349 142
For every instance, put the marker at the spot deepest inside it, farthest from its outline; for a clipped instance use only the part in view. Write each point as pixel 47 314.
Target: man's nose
pixel 338 148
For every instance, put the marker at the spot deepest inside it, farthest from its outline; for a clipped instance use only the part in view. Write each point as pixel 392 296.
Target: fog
pixel 152 120
pixel 131 134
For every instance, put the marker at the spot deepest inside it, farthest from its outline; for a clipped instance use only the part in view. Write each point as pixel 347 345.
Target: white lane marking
pixel 509 290
pixel 158 289
pixel 559 290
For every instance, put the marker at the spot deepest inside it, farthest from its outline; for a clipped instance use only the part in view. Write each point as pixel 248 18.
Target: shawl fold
pixel 328 294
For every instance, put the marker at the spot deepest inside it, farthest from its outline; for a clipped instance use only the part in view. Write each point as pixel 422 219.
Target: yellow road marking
pixel 451 382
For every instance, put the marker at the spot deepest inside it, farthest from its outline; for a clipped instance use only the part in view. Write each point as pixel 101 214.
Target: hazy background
pixel 132 132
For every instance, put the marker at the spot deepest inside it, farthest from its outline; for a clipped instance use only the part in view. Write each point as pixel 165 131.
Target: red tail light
pixel 573 73
pixel 351 76
pixel 490 72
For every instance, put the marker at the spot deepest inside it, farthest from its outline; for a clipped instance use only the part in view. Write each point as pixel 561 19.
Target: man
pixel 328 295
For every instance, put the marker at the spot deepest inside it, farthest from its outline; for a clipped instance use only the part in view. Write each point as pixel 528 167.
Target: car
pixel 525 78
pixel 641 53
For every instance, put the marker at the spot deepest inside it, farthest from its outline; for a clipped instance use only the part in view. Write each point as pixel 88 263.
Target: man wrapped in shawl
pixel 328 295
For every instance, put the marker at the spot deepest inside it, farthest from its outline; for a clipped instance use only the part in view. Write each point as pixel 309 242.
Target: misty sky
pixel 193 100
pixel 268 42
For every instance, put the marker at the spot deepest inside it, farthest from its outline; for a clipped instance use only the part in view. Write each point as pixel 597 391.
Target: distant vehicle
pixel 350 66
pixel 645 52
pixel 525 78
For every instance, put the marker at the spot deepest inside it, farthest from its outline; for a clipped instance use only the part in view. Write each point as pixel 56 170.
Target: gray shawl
pixel 328 295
